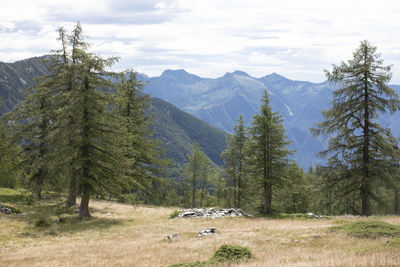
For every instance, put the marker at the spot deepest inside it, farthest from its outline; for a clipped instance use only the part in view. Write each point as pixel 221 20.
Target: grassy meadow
pixel 126 235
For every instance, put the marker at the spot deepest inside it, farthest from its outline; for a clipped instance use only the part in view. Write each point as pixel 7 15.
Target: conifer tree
pixel 141 150
pixel 31 126
pixel 196 170
pixel 9 158
pixel 359 146
pixel 267 153
pixel 234 158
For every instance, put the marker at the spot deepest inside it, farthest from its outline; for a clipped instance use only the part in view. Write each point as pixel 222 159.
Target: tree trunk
pixel 194 190
pixel 39 184
pixel 239 183
pixel 71 201
pixel 201 196
pixel 396 201
pixel 364 189
pixel 84 206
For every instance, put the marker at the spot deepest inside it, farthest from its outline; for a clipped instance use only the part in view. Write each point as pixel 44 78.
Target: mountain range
pixel 204 109
pixel 220 101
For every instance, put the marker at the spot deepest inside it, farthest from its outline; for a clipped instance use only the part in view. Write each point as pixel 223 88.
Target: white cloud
pixel 297 39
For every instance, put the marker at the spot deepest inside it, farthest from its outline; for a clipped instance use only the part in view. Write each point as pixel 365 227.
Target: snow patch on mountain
pixel 289 110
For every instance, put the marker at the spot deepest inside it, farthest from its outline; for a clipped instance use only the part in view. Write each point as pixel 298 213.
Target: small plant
pixel 29 199
pixel 174 214
pixel 41 222
pixel 369 229
pixel 395 242
pixel 227 253
pixel 15 210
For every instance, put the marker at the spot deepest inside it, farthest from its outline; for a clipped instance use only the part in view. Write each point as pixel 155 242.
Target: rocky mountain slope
pixel 220 101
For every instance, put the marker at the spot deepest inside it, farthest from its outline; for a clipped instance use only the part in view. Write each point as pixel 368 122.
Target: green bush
pixel 174 214
pixel 228 253
pixel 42 222
pixel 369 229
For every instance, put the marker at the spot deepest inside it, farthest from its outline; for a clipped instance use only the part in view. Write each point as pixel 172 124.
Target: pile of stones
pixel 5 209
pixel 208 231
pixel 210 213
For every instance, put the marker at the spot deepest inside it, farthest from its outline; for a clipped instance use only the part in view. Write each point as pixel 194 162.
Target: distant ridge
pixel 219 102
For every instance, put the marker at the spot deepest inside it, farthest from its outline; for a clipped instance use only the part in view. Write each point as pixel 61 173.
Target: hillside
pixel 126 235
pixel 220 101
pixel 176 129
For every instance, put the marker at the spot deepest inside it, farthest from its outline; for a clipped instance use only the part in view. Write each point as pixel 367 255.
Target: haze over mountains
pixel 220 101
pixel 217 102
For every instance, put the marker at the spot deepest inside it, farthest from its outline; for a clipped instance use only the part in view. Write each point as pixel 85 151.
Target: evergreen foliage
pixel 362 153
pixel 9 159
pixel 267 154
pixel 234 158
pixel 78 122
pixel 198 171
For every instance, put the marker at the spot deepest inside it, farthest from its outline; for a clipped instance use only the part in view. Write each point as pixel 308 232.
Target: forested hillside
pixel 175 128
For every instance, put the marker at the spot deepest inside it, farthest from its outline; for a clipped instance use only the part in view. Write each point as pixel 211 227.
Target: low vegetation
pixel 124 235
pixel 369 229
pixel 225 254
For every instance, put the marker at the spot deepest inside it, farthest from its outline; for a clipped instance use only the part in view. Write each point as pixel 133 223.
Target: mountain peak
pixel 177 72
pixel 239 72
pixel 180 74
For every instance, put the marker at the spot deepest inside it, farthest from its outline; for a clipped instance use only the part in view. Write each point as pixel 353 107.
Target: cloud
pixel 297 39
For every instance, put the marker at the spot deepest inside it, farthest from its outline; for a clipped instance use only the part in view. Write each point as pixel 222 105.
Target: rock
pixel 174 237
pixel 208 231
pixel 211 213
pixel 6 210
pixel 314 215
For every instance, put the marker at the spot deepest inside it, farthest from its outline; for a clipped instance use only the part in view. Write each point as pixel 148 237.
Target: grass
pixel 369 229
pixel 225 254
pixel 125 235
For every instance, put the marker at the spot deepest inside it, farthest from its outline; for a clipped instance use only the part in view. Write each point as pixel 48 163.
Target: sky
pixel 297 39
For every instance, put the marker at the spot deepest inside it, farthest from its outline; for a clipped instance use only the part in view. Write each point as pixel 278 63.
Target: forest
pixel 85 132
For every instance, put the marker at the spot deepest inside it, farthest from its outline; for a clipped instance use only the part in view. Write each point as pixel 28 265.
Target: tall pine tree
pixel 359 146
pixel 267 153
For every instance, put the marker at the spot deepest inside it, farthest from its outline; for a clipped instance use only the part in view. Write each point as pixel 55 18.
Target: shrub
pixel 174 214
pixel 228 253
pixel 369 229
pixel 41 222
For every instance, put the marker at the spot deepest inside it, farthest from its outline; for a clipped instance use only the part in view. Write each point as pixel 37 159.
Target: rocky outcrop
pixel 208 231
pixel 5 209
pixel 211 213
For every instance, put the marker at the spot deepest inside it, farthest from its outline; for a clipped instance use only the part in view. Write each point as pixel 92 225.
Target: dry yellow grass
pixel 123 235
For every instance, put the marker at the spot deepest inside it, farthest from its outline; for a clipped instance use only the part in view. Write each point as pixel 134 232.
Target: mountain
pixel 15 76
pixel 175 128
pixel 220 101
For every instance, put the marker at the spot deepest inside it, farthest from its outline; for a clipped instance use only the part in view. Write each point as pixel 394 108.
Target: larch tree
pixel 267 152
pixel 141 150
pixel 31 121
pixel 359 146
pixel 196 169
pixel 234 159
